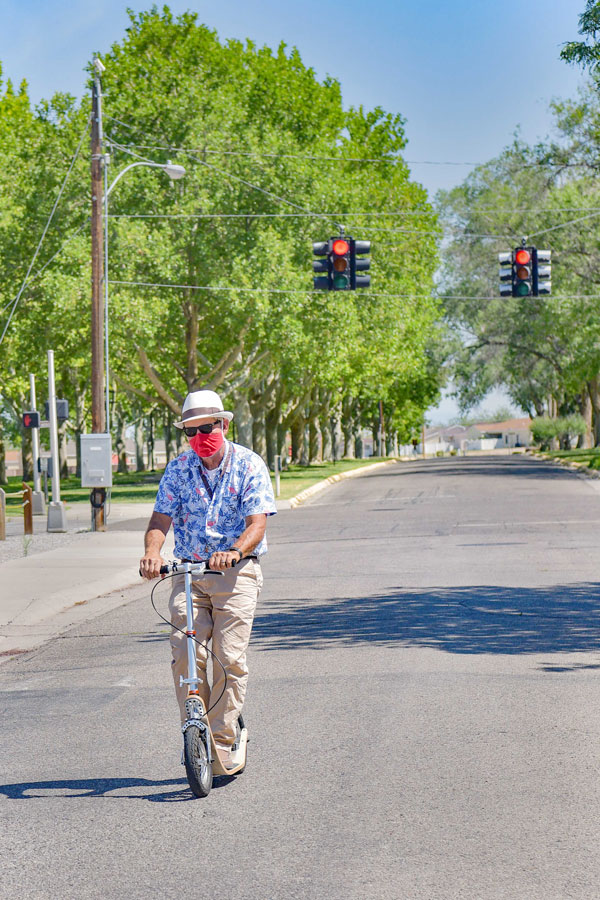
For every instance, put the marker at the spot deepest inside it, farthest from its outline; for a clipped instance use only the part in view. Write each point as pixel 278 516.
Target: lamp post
pixel 175 172
pixel 99 318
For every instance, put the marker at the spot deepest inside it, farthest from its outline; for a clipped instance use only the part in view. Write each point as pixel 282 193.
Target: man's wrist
pixel 237 550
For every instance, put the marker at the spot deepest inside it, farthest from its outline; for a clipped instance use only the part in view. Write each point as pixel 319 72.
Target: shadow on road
pixel 474 619
pixel 484 466
pixel 99 787
pixel 134 788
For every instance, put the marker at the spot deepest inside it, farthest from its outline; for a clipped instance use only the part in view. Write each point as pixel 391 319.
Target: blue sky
pixel 464 73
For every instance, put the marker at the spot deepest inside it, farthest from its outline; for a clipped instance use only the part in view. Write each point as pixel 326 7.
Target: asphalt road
pixel 423 710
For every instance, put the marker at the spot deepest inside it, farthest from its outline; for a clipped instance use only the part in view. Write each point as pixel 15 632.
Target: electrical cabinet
pixel 96 460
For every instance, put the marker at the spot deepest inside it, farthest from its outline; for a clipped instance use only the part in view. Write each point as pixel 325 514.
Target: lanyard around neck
pixel 209 488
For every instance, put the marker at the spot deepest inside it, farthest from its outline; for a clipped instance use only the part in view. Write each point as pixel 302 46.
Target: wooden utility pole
pixel 98 417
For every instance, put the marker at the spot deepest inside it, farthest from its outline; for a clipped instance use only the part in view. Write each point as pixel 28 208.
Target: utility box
pixel 96 460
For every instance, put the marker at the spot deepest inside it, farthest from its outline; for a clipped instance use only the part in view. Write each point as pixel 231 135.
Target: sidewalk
pixel 80 576
pixel 50 582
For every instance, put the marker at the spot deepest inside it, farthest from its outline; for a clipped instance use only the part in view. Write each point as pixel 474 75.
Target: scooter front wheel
pixel 198 766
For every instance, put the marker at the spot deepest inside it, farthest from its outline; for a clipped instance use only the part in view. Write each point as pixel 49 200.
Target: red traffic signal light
pixel 522 257
pixel 340 247
pixel 31 419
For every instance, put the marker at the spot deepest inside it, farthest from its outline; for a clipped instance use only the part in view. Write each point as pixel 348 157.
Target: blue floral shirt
pixel 203 525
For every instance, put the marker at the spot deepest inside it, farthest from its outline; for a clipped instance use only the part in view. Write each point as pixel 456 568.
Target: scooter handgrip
pixel 164 570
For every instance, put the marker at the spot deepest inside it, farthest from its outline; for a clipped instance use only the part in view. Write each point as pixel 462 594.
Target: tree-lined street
pixel 422 711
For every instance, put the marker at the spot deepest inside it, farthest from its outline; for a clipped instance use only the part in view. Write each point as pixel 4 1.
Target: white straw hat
pixel 202 405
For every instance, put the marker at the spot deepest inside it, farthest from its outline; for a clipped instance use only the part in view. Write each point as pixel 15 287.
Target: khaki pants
pixel 223 610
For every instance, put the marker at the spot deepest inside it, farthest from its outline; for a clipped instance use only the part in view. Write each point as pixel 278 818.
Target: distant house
pixel 498 435
pixel 482 436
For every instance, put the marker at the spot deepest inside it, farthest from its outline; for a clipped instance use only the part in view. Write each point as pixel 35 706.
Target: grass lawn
pixel 141 487
pixel 589 458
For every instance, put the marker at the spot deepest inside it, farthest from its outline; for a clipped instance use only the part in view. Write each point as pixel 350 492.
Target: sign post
pixel 57 518
pixel 39 506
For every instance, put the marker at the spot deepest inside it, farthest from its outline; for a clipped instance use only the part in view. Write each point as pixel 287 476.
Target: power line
pixel 253 215
pixel 265 290
pixel 226 174
pixel 202 287
pixel 52 258
pixel 316 158
pixel 563 224
pixel 50 217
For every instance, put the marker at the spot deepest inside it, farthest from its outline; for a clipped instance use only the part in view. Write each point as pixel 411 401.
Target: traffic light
pixel 522 280
pixel 62 410
pixel 339 259
pixel 341 264
pixel 542 272
pixel 360 265
pixel 321 282
pixel 506 274
pixel 525 272
pixel 31 419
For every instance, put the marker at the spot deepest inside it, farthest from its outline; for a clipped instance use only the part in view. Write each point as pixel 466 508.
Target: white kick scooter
pixel 200 754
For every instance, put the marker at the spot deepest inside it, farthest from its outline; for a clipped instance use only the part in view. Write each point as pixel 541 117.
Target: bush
pixel 544 429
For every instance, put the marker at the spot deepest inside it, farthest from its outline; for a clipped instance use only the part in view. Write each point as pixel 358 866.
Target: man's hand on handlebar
pixel 223 559
pixel 150 565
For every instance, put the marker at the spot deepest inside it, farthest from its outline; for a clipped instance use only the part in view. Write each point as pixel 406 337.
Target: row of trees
pixel 545 350
pixel 273 162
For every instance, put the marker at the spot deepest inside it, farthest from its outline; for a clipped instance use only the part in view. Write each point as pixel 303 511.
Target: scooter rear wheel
pixel 198 766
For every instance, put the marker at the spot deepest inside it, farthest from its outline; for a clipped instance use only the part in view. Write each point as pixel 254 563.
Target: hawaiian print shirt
pixel 202 525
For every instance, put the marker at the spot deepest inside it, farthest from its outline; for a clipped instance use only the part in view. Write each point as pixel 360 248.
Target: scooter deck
pixel 239 757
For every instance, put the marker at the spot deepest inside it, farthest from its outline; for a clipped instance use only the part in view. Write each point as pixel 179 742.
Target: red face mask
pixel 206 445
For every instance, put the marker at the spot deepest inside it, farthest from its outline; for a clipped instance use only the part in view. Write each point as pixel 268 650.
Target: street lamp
pixel 99 318
pixel 175 172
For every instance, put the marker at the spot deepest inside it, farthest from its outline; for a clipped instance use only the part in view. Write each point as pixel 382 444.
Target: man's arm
pixel 249 539
pixel 157 530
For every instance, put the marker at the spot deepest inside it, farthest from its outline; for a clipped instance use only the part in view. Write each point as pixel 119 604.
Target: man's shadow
pixel 106 787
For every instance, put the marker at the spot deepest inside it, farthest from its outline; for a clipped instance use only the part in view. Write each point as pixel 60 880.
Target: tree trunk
pixel 585 408
pixel 282 443
pixel 259 437
pixel 243 421
pixel 337 437
pixel 348 427
pixel 63 453
pixel 594 392
pixel 120 446
pixel 314 440
pixel 297 429
pixel 271 423
pixel 140 465
pixel 327 448
pixel 168 436
pixel 359 447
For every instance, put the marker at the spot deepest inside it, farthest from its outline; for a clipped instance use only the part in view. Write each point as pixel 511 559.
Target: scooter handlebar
pixel 173 567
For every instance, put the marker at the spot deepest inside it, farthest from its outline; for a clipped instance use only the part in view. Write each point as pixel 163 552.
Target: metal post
pixel 277 477
pixel 97 327
pixel 423 442
pixel 380 428
pixel 2 515
pixel 57 519
pixel 39 507
pixel 27 509
pixel 106 357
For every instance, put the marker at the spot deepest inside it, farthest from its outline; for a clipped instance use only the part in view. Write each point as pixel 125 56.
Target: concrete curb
pixel 577 467
pixel 321 485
